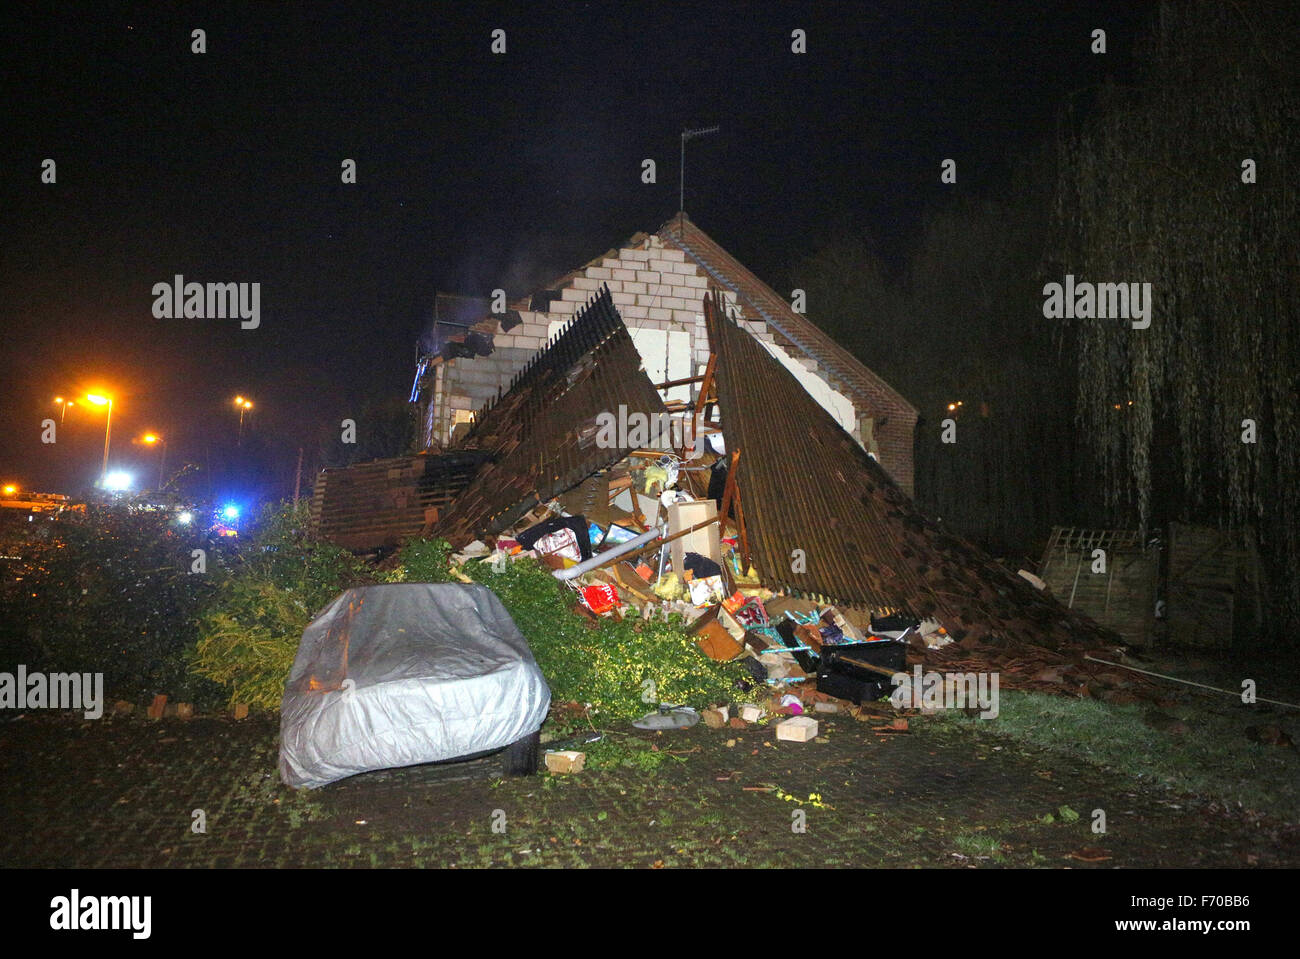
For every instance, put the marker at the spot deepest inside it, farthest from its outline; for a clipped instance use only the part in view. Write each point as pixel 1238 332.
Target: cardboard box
pixel 705 591
pixel 797 729
pixel 565 761
pixel 716 644
pixel 706 541
pixel 716 614
pixel 810 635
pixel 718 635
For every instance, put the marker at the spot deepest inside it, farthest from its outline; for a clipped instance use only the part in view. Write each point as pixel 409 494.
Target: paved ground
pixel 121 792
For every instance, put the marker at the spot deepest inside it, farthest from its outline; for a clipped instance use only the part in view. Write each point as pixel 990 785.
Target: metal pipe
pixel 608 556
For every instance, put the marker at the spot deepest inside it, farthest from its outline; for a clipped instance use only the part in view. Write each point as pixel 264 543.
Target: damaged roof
pixel 540 436
pixel 376 504
pixel 805 484
pixel 844 371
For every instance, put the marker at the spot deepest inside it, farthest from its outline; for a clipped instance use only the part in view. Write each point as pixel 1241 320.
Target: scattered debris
pixel 750 713
pixel 642 527
pixel 669 717
pixel 565 761
pixel 715 718
pixel 799 729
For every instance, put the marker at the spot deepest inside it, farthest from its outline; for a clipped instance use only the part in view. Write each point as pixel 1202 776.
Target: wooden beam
pixel 744 536
pixel 705 388
pixel 729 488
pixel 682 382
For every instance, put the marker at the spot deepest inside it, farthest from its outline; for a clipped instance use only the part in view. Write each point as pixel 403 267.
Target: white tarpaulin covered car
pixel 409 673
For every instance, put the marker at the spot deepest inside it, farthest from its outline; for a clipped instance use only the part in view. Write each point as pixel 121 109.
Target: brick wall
pixel 895 441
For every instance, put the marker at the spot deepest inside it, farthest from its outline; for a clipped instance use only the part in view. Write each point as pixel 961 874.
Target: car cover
pixel 406 673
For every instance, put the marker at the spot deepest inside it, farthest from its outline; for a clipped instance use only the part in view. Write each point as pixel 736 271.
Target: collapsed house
pixel 812 514
pixel 657 282
pixel 757 516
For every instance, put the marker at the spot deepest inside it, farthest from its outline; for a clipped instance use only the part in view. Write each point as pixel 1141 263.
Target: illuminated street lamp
pixel 10 489
pixel 118 481
pixel 98 400
pixel 243 406
pixel 60 401
pixel 153 439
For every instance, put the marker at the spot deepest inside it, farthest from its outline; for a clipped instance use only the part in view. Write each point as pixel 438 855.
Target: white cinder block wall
pixel 652 286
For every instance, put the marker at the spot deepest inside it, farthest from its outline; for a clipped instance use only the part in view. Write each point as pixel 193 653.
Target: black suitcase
pixel 840 675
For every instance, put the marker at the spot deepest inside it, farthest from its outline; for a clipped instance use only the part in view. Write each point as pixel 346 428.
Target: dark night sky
pixel 474 171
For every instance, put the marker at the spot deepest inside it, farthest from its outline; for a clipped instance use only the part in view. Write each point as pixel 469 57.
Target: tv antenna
pixel 681 196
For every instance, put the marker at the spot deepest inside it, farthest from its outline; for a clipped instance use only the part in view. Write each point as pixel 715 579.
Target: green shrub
pixel 621 668
pixel 282 576
pixel 250 632
pixel 109 591
pixel 422 561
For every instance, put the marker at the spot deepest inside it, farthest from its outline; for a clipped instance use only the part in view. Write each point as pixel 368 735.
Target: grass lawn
pixel 1193 747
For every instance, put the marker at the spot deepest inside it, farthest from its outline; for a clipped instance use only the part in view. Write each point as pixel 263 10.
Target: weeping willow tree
pixel 1194 417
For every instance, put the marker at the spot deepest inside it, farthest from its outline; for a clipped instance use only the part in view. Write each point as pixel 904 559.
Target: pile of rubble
pixel 834 581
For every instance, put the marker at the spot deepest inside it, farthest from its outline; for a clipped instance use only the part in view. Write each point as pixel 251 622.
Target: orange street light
pixel 60 401
pixel 10 489
pixel 243 406
pixel 153 439
pixel 100 400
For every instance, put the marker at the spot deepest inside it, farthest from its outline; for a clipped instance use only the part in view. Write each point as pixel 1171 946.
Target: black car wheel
pixel 520 757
